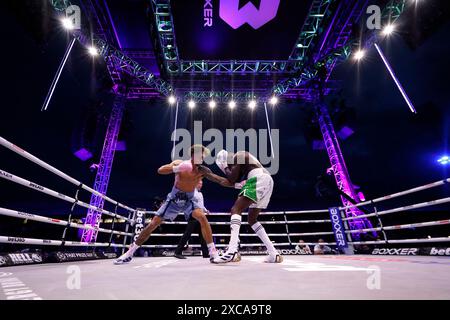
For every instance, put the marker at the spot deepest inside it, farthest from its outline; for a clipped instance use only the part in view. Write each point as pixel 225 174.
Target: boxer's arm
pixel 233 174
pixel 220 180
pixel 168 168
pixel 208 174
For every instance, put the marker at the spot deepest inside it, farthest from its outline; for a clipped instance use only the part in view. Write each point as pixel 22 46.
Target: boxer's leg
pixel 261 232
pixel 200 216
pixel 147 231
pixel 263 190
pixel 241 204
pixel 191 225
pixel 143 236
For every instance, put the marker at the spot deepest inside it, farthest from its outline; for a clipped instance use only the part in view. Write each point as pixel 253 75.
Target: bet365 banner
pixel 338 228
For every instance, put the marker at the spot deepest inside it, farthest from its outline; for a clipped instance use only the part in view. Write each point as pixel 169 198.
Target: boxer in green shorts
pixel 256 186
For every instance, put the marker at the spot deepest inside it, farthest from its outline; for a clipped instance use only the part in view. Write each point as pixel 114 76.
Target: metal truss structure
pixel 219 97
pixel 132 68
pixel 340 48
pixel 104 167
pixel 175 65
pixel 117 62
pixel 318 48
pixel 334 49
pixel 340 170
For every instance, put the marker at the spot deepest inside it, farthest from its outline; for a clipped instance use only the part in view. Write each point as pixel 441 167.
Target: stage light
pixel 191 104
pixel 359 55
pixel 212 104
pixel 444 160
pixel 252 104
pixel 93 51
pixel 273 101
pixel 172 100
pixel 388 30
pixel 232 104
pixel 67 24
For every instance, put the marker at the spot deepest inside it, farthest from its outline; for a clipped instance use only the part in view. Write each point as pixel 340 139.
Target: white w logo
pixel 235 17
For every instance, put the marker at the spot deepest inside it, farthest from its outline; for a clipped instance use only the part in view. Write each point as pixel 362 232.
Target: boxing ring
pixel 339 276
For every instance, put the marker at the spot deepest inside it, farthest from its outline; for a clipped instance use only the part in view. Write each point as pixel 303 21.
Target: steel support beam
pixel 175 65
pixel 105 166
pixel 116 61
pixel 340 171
pixel 337 53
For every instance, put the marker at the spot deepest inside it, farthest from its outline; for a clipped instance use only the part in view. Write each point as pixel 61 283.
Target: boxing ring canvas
pixel 297 278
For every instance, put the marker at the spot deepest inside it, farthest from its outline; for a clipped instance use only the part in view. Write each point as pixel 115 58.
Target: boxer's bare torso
pixel 185 181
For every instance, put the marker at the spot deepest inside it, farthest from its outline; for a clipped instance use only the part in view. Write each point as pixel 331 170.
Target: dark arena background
pixel 346 103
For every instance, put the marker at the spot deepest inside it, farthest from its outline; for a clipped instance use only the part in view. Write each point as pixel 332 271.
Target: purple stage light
pixel 345 132
pixel 121 146
pixel 318 145
pixel 83 154
pixel 361 196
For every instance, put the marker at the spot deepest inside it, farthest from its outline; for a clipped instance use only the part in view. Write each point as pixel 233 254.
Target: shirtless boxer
pixel 184 197
pixel 255 195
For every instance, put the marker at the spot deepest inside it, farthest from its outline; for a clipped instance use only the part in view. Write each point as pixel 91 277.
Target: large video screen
pixel 238 29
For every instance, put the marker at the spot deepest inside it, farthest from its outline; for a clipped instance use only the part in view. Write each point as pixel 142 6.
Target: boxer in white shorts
pixel 256 189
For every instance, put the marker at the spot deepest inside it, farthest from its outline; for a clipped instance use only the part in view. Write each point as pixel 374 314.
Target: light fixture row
pixel 252 104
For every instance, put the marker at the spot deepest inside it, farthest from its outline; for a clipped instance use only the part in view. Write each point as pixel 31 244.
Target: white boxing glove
pixel 221 160
pixel 240 185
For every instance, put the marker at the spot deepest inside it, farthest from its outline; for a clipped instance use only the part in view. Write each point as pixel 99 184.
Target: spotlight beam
pixel 48 98
pixel 269 131
pixel 175 132
pixel 394 77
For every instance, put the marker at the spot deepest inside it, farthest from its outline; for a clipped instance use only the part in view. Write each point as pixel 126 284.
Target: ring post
pixel 381 224
pixel 69 219
pixel 127 226
pixel 287 228
pixel 350 249
pixel 112 224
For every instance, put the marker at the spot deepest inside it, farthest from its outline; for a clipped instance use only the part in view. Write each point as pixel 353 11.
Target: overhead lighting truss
pixel 175 65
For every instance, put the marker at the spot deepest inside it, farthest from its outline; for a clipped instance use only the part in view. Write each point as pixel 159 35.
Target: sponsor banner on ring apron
pixel 13 259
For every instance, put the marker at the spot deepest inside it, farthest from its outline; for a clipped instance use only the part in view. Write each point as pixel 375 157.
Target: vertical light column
pixel 340 170
pixel 104 169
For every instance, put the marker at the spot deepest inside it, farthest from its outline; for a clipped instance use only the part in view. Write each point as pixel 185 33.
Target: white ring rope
pixel 440 239
pixel 32 185
pixel 400 194
pixel 404 226
pixel 157 246
pixel 405 208
pixel 29 184
pixel 59 173
pixel 262 222
pixel 245 234
pixel 46 242
pixel 262 212
pixel 34 217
